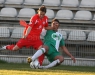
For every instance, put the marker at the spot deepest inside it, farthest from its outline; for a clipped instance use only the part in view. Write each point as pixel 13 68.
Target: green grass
pixel 24 69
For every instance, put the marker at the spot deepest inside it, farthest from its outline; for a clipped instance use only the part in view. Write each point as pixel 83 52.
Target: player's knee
pixel 46 48
pixel 15 48
pixel 61 59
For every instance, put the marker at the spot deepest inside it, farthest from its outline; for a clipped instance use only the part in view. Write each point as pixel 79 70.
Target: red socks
pixel 10 47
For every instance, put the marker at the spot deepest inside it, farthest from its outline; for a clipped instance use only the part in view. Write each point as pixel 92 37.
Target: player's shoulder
pixel 35 16
pixel 45 17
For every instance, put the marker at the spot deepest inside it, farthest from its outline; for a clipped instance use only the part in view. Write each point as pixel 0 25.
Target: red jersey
pixel 37 25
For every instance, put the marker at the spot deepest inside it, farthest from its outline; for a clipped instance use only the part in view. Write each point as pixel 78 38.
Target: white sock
pixel 38 53
pixel 54 63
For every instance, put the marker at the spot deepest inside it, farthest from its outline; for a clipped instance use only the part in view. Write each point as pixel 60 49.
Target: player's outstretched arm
pixel 27 32
pixel 49 28
pixel 23 23
pixel 68 53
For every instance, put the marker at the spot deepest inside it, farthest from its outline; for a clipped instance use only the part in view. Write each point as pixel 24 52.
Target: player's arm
pixel 30 26
pixel 49 28
pixel 23 23
pixel 27 31
pixel 68 53
pixel 62 45
pixel 43 33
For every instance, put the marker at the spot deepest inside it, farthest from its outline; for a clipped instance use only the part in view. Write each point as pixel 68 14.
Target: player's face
pixel 55 25
pixel 41 14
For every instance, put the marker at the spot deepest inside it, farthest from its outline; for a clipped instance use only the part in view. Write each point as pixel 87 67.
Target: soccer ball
pixel 35 64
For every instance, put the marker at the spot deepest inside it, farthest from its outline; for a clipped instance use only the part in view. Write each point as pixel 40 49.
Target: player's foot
pixel 29 60
pixel 3 48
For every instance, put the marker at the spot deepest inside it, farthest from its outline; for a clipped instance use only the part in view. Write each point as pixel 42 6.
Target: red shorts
pixel 29 43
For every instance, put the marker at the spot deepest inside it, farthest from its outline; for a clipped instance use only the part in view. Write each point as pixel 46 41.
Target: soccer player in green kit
pixel 52 41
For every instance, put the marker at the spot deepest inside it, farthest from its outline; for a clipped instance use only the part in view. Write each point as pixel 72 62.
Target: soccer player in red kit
pixel 32 31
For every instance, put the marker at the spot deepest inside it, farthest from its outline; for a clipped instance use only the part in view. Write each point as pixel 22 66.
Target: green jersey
pixel 54 38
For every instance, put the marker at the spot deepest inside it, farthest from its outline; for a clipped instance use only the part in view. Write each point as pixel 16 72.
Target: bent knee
pixel 61 59
pixel 15 48
pixel 46 48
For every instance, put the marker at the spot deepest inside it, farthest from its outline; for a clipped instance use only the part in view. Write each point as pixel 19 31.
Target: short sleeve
pixel 62 42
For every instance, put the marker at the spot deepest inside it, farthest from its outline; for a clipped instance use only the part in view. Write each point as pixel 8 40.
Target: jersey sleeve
pixel 46 25
pixel 43 33
pixel 62 43
pixel 32 21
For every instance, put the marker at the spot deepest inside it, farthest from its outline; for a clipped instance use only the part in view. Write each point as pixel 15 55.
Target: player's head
pixel 55 24
pixel 42 11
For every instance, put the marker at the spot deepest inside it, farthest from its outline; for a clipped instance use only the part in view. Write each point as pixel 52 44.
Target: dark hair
pixel 42 8
pixel 55 20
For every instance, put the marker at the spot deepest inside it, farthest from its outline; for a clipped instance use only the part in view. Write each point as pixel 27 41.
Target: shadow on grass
pixel 1 61
pixel 61 68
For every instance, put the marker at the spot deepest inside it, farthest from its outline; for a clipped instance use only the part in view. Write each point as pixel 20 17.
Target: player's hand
pixel 74 60
pixel 23 23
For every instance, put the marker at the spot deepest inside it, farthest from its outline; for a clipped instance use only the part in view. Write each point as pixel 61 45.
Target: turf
pixel 24 69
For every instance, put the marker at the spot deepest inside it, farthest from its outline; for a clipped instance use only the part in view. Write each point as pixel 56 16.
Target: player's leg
pixel 10 47
pixel 38 54
pixel 54 63
pixel 18 45
pixel 58 60
pixel 41 58
pixel 37 45
pixel 54 57
pixel 5 47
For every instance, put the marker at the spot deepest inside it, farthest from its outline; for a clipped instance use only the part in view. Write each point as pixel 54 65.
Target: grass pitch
pixel 24 69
